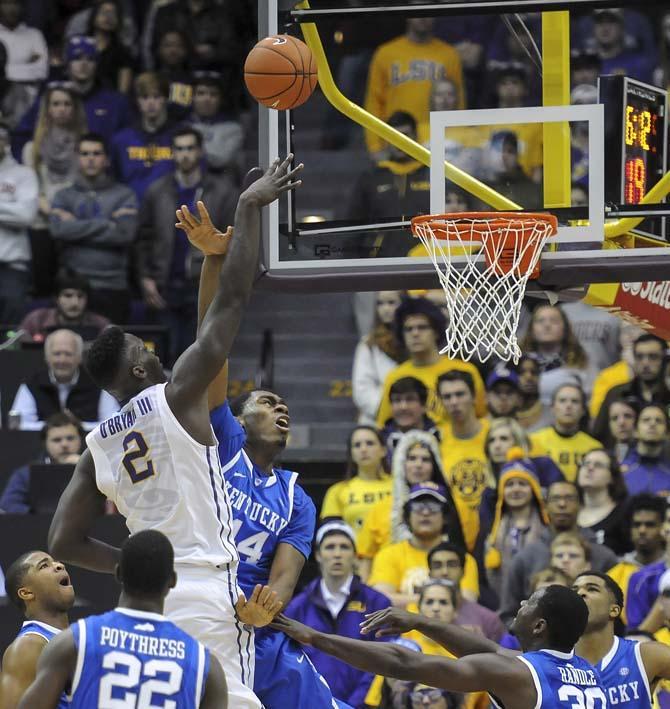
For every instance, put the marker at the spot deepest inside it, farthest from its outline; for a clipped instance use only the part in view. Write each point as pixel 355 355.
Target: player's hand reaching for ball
pixel 202 233
pixel 390 621
pixel 278 178
pixel 260 609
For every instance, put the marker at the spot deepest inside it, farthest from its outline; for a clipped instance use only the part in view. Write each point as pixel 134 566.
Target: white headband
pixel 335 526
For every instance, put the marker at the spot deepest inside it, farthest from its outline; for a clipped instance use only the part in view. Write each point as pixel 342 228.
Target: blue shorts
pixel 285 676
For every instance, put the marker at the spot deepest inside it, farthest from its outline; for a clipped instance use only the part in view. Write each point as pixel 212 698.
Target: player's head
pixel 541 620
pixel 36 583
pixel 146 568
pixel 603 597
pixel 121 364
pixel 264 417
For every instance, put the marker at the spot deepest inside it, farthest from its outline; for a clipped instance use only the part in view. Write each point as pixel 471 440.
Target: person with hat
pixel 107 110
pixel 69 311
pixel 18 205
pixel 336 601
pixel 420 325
pixel 503 392
pixel 519 520
pixel 399 569
pixel 619 53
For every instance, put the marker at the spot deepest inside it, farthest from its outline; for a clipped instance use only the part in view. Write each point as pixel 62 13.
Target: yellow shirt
pixel 405 568
pixel 353 499
pixel 621 573
pixel 566 451
pixel 428 375
pixel 467 473
pixel 619 373
pixel 376 532
pixel 401 78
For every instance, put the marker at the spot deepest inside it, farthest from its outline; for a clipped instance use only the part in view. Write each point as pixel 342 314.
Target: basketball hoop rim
pixel 467 222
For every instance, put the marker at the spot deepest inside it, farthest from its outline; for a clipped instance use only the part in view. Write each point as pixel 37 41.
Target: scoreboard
pixel 635 119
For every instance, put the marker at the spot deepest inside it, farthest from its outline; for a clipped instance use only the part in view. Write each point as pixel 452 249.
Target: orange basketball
pixel 280 72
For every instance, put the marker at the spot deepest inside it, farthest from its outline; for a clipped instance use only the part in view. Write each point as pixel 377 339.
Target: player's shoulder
pixel 24 648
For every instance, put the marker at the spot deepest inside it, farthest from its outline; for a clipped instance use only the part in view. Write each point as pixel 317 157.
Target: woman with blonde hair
pixel 553 344
pixel 52 152
pixel 376 354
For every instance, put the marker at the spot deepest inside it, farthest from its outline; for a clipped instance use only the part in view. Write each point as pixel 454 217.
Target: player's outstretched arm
pixel 489 672
pixel 202 362
pixel 458 641
pixel 54 672
pixel 19 666
pixel 79 507
pixel 216 689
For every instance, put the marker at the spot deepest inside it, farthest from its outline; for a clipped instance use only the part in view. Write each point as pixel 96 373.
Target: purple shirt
pixel 479 619
pixel 642 592
pixel 644 474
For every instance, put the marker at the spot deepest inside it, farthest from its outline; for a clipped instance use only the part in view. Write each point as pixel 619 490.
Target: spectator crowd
pixel 467 486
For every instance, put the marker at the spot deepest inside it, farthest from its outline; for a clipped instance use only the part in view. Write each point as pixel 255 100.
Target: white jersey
pixel 160 478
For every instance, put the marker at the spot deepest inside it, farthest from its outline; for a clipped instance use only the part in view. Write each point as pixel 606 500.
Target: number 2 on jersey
pixel 137 452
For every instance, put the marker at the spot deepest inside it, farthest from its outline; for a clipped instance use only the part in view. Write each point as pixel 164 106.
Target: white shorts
pixel 202 604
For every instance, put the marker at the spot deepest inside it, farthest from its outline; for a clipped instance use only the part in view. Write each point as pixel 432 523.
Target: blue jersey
pixel 43 630
pixel 624 677
pixel 268 510
pixel 133 658
pixel 563 680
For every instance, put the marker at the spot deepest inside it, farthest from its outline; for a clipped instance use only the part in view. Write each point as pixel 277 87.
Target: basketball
pixel 280 72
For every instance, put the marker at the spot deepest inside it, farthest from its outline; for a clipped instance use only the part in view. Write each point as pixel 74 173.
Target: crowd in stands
pixel 467 486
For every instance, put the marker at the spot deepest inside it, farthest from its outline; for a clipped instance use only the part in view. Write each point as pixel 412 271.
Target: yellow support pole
pixel 383 130
pixel 556 92
pixel 655 194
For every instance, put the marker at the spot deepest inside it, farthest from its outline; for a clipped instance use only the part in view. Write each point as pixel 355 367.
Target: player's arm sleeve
pixel 54 670
pixel 331 506
pixel 299 532
pixel 228 432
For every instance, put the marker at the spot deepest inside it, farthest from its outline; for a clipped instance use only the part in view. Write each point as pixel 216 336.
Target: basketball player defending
pixel 548 675
pixel 629 670
pixel 40 587
pixel 133 655
pixel 157 458
pixel 273 517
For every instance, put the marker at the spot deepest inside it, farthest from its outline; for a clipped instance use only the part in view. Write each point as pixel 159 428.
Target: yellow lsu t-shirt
pixel 621 573
pixel 405 568
pixel 566 451
pixel 376 532
pixel 428 374
pixel 467 473
pixel 353 499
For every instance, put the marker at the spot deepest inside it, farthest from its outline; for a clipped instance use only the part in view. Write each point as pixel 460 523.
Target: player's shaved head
pixel 146 567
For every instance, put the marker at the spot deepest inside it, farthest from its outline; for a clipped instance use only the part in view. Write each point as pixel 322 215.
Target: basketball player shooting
pixel 156 459
pixel 548 675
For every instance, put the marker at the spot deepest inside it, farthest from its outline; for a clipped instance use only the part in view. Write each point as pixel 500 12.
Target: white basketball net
pixel 483 299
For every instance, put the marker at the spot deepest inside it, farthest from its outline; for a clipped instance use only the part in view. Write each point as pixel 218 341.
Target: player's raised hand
pixel 278 178
pixel 390 621
pixel 299 632
pixel 260 609
pixel 202 233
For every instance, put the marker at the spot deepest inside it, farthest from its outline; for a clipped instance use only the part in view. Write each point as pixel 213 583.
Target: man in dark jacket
pixel 63 438
pixel 62 385
pixel 95 222
pixel 337 602
pixel 169 267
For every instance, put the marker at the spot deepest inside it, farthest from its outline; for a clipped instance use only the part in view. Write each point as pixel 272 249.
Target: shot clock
pixel 635 119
